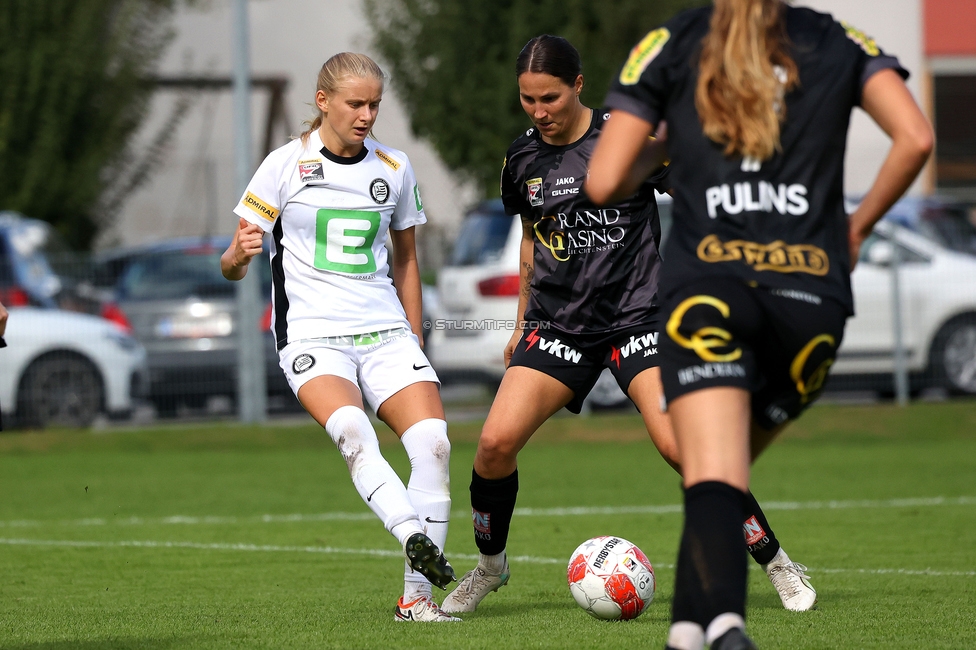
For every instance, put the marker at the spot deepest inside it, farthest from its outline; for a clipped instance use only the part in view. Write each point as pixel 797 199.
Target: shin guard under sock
pixel 760 538
pixel 492 505
pixel 710 578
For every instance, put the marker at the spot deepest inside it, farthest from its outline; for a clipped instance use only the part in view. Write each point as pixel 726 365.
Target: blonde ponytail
pixel 745 70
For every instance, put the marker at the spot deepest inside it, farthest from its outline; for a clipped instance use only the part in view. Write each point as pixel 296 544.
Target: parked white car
pixel 938 297
pixel 938 311
pixel 63 368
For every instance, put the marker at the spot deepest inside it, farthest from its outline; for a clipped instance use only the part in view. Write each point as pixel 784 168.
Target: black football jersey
pixel 779 223
pixel 596 268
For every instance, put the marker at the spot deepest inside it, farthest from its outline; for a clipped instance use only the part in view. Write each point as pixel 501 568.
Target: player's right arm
pixel 526 272
pixel 246 244
pixel 257 212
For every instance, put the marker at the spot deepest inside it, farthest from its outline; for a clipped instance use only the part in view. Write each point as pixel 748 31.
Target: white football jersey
pixel 329 217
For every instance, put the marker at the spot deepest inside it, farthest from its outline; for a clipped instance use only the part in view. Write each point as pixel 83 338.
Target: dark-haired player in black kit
pixel 757 97
pixel 589 281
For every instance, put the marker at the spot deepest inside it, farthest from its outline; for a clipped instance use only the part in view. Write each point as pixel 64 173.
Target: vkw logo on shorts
pixel 534 186
pixel 302 363
pixel 379 190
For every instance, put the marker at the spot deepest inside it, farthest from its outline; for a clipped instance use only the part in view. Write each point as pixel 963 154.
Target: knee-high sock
pixel 492 505
pixel 429 488
pixel 375 480
pixel 760 538
pixel 710 578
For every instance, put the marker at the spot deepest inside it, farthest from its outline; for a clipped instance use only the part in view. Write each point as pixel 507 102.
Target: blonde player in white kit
pixel 344 330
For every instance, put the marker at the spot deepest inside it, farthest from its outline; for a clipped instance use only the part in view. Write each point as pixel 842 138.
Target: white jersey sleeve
pixel 409 209
pixel 263 199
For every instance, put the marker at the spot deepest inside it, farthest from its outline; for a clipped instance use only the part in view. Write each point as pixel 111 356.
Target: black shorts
pixel 577 361
pixel 778 344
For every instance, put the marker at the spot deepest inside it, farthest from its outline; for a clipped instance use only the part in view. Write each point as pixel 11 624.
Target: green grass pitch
pixel 225 536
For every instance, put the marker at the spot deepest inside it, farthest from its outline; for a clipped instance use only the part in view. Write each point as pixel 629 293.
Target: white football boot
pixel 472 589
pixel 791 582
pixel 422 609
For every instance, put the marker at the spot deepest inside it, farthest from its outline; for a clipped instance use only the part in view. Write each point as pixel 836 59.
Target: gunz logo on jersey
pixel 566 190
pixel 642 55
pixel 310 170
pixel 302 363
pixel 554 347
pixel 379 190
pixel 777 256
pixel 534 187
pixel 260 207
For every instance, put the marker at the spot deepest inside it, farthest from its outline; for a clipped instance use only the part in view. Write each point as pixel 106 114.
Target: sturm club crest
pixel 379 190
pixel 302 363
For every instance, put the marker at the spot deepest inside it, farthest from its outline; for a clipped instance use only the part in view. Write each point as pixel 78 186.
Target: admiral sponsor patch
pixel 642 55
pixel 260 207
pixel 302 363
pixel 310 170
pixel 534 186
pixel 385 157
pixel 379 190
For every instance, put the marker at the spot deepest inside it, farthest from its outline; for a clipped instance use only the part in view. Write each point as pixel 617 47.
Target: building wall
pixel 194 191
pixel 897 27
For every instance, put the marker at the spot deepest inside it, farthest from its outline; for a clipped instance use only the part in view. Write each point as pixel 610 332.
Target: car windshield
pixel 953 226
pixel 175 275
pixel 482 238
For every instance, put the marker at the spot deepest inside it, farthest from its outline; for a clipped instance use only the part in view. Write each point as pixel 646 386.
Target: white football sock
pixel 722 624
pixel 494 564
pixel 375 480
pixel 429 488
pixel 685 635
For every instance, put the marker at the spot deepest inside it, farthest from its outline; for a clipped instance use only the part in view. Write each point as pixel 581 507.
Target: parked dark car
pixel 179 306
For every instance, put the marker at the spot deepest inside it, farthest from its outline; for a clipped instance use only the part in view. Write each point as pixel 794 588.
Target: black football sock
pixel 492 505
pixel 760 538
pixel 710 578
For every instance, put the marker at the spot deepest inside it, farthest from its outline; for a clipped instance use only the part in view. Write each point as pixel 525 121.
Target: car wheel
pixel 954 355
pixel 59 390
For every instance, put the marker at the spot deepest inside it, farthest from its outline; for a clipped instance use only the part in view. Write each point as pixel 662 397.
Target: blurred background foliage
pixel 453 64
pixel 73 94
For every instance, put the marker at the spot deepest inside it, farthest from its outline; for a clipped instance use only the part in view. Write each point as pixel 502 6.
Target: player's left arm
pixel 406 277
pixel 888 101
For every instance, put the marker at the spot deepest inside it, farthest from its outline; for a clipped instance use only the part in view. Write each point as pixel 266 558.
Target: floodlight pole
pixel 252 395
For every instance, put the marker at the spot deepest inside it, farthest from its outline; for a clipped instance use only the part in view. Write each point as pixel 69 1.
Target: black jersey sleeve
pixel 512 199
pixel 644 84
pixel 870 58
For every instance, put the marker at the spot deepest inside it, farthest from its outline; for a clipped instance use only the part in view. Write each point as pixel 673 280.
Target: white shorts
pixel 380 363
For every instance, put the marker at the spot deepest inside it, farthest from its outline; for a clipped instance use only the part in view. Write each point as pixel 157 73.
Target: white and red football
pixel 611 578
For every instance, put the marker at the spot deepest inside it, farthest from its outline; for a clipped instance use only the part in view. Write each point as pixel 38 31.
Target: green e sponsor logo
pixel 416 197
pixel 344 240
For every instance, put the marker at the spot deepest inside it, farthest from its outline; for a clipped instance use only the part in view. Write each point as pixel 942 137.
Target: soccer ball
pixel 611 578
